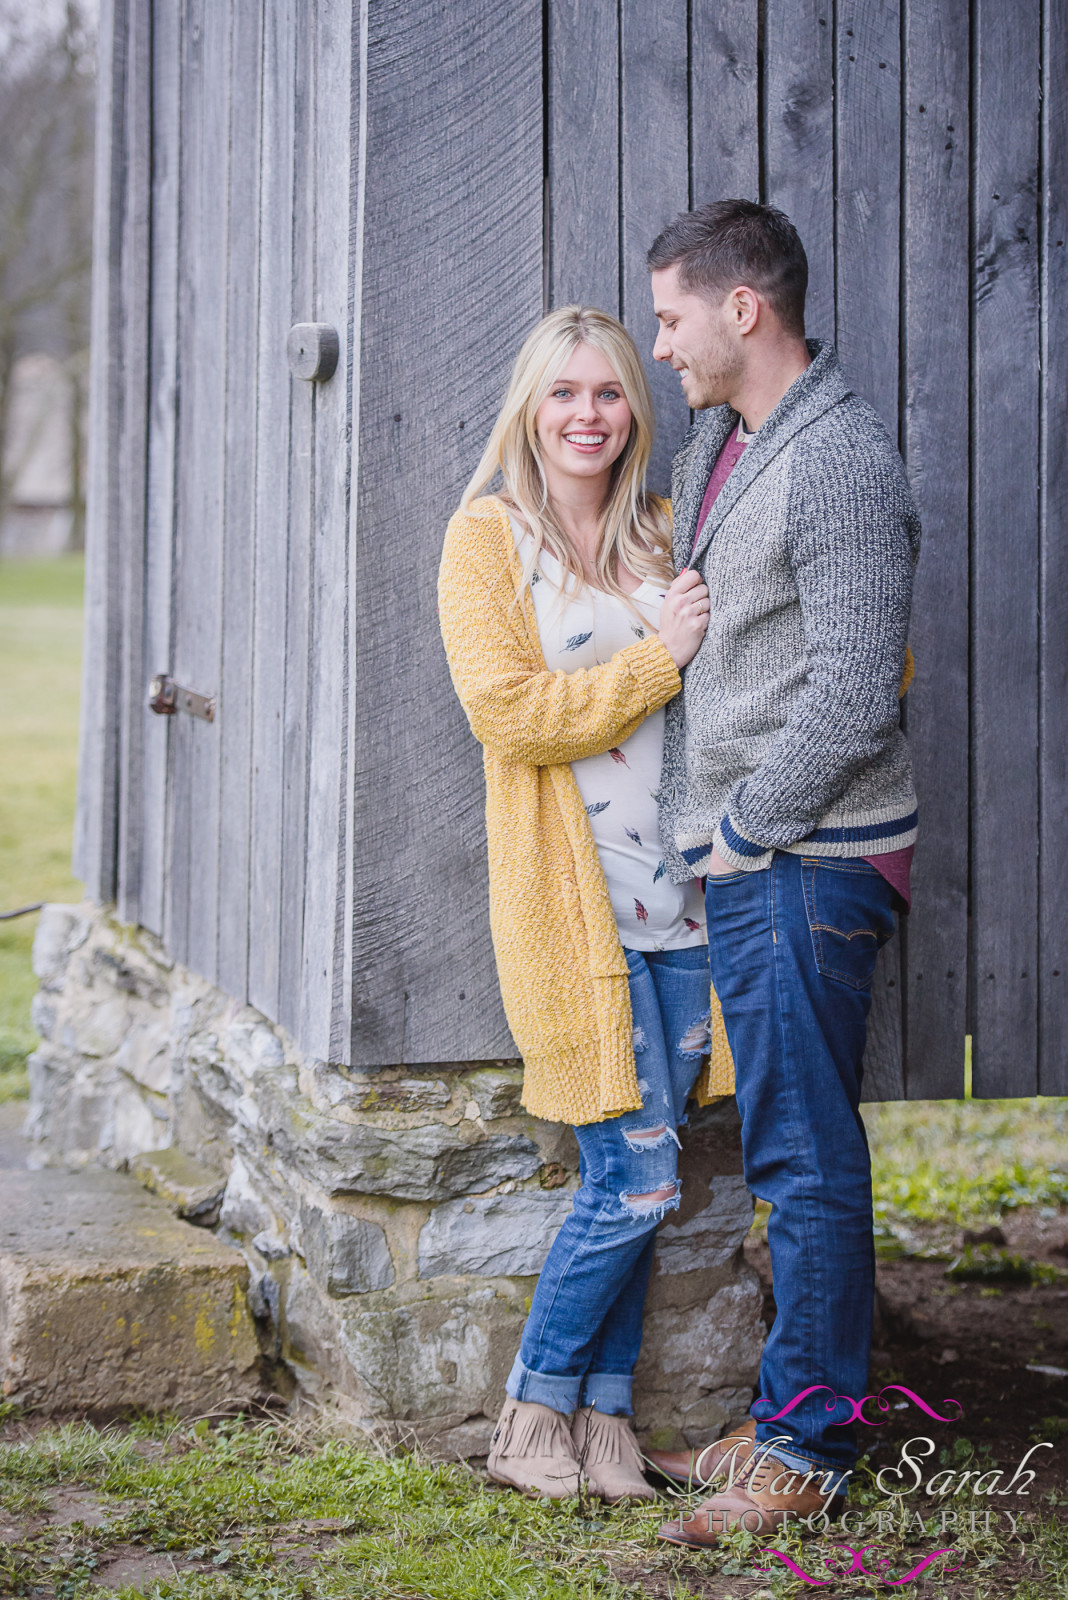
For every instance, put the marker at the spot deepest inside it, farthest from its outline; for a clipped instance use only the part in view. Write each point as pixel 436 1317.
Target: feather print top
pixel 618 788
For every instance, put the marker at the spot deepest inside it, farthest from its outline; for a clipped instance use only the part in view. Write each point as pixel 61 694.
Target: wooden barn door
pixel 229 164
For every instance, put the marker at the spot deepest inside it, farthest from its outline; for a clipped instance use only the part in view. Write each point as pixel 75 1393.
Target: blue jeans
pixel 582 1337
pixel 793 952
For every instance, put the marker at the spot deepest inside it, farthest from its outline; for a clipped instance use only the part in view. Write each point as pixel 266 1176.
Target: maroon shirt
pixel 895 865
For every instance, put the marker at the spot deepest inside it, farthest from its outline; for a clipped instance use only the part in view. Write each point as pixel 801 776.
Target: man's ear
pixel 743 308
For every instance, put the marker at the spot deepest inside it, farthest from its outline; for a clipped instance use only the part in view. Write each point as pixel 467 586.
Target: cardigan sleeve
pixel 515 709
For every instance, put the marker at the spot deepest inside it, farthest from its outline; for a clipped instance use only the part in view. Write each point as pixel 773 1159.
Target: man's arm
pixel 854 531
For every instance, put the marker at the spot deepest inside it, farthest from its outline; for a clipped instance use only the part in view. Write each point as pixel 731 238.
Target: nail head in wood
pixel 312 349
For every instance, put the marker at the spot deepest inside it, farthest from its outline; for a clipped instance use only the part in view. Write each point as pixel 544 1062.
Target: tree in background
pixel 46 199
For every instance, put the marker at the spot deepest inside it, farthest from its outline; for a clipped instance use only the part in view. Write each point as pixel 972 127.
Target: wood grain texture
pixel 236 698
pixel 1005 384
pixel 270 565
pixel 298 666
pixel 583 154
pixel 799 139
pixel 198 569
pixel 162 420
pixel 1053 661
pixel 934 431
pixel 724 129
pixel 96 820
pixel 868 199
pixel 655 187
pixel 471 253
pixel 133 456
pixel 324 1026
pixel 884 1075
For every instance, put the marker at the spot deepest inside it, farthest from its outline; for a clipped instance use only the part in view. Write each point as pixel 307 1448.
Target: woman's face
pixel 584 421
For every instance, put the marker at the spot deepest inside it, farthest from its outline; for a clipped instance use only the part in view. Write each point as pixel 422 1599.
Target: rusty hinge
pixel 165 697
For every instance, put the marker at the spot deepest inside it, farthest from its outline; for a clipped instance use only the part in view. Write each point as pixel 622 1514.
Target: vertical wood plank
pixel 884 1077
pixel 200 474
pixel 424 983
pixel 239 497
pixel 1005 460
pixel 867 251
pixel 162 424
pixel 799 139
pixel 132 455
pixel 935 445
pixel 868 206
pixel 1053 944
pixel 583 152
pixel 96 820
pixel 325 1023
pixel 299 553
pixel 272 499
pixel 724 132
pixel 654 186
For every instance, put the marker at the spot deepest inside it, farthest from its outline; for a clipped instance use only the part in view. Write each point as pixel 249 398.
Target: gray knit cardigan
pixel 787 733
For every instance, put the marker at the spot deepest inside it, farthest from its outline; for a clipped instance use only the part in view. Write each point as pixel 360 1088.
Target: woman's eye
pixel 609 394
pixel 561 394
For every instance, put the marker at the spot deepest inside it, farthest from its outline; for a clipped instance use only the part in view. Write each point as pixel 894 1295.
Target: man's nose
pixel 662 347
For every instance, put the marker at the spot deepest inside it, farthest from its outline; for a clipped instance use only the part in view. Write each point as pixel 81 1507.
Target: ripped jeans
pixel 582 1337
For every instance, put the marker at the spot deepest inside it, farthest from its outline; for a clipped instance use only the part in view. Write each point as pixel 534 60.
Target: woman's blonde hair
pixel 635 527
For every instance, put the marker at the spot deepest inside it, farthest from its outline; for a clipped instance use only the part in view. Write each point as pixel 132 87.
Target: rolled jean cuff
pixel 557 1390
pixel 608 1392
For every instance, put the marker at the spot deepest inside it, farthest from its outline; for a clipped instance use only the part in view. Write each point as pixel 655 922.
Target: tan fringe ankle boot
pixel 609 1455
pixel 532 1451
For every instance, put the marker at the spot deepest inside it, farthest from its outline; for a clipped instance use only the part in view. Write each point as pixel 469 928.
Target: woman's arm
pixel 523 715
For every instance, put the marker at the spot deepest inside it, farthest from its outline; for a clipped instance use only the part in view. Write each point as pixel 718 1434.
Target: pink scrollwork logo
pixel 856 1568
pixel 857 1412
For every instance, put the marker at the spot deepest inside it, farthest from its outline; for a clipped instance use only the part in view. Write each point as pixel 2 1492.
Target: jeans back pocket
pixel 849 905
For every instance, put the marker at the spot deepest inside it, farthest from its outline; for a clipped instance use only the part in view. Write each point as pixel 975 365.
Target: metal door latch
pixel 165 697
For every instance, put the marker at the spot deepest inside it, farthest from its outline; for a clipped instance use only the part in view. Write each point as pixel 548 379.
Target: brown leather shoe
pixel 764 1495
pixel 695 1469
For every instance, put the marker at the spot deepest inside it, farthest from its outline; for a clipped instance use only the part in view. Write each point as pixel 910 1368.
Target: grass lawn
pixel 224 1510
pixel 40 657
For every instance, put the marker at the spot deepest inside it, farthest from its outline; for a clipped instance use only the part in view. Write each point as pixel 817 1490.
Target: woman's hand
pixel 684 617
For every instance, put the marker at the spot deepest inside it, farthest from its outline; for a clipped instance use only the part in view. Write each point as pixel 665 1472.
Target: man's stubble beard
pixel 717 370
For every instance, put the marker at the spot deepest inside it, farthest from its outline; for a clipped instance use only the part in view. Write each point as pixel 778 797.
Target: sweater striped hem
pixel 878 835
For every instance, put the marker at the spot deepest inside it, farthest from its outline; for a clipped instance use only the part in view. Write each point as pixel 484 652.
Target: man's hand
pixel 717 866
pixel 684 617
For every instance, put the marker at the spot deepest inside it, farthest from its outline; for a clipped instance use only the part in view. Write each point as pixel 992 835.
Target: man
pixel 787 784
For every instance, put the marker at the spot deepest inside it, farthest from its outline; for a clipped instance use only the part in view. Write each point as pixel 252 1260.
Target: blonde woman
pixel 566 633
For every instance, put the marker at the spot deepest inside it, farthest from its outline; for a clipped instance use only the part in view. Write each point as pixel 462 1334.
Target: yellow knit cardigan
pixel 561 966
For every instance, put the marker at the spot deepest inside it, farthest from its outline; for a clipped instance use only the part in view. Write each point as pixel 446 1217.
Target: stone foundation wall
pixel 394 1222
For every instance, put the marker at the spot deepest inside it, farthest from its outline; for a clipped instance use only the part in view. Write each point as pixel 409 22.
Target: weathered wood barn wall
pixel 425 178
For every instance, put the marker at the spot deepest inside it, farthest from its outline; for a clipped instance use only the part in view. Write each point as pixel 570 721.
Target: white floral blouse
pixel 619 787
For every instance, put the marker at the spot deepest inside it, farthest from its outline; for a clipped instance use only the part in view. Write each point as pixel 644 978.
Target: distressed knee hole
pixel 653 1138
pixel 654 1204
pixel 697 1038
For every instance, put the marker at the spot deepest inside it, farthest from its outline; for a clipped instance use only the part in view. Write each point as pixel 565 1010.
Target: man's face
pixel 699 339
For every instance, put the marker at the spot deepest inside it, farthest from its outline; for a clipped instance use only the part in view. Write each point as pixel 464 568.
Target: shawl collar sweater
pixel 562 970
pixel 787 734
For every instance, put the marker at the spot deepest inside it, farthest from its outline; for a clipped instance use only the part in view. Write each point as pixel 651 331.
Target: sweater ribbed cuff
pixel 738 851
pixel 655 671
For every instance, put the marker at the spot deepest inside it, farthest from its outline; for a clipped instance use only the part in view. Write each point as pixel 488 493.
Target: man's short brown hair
pixel 732 242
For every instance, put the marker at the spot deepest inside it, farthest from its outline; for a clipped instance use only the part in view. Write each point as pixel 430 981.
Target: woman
pixel 565 634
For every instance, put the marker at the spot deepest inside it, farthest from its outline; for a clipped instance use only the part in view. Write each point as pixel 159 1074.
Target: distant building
pixel 36 511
